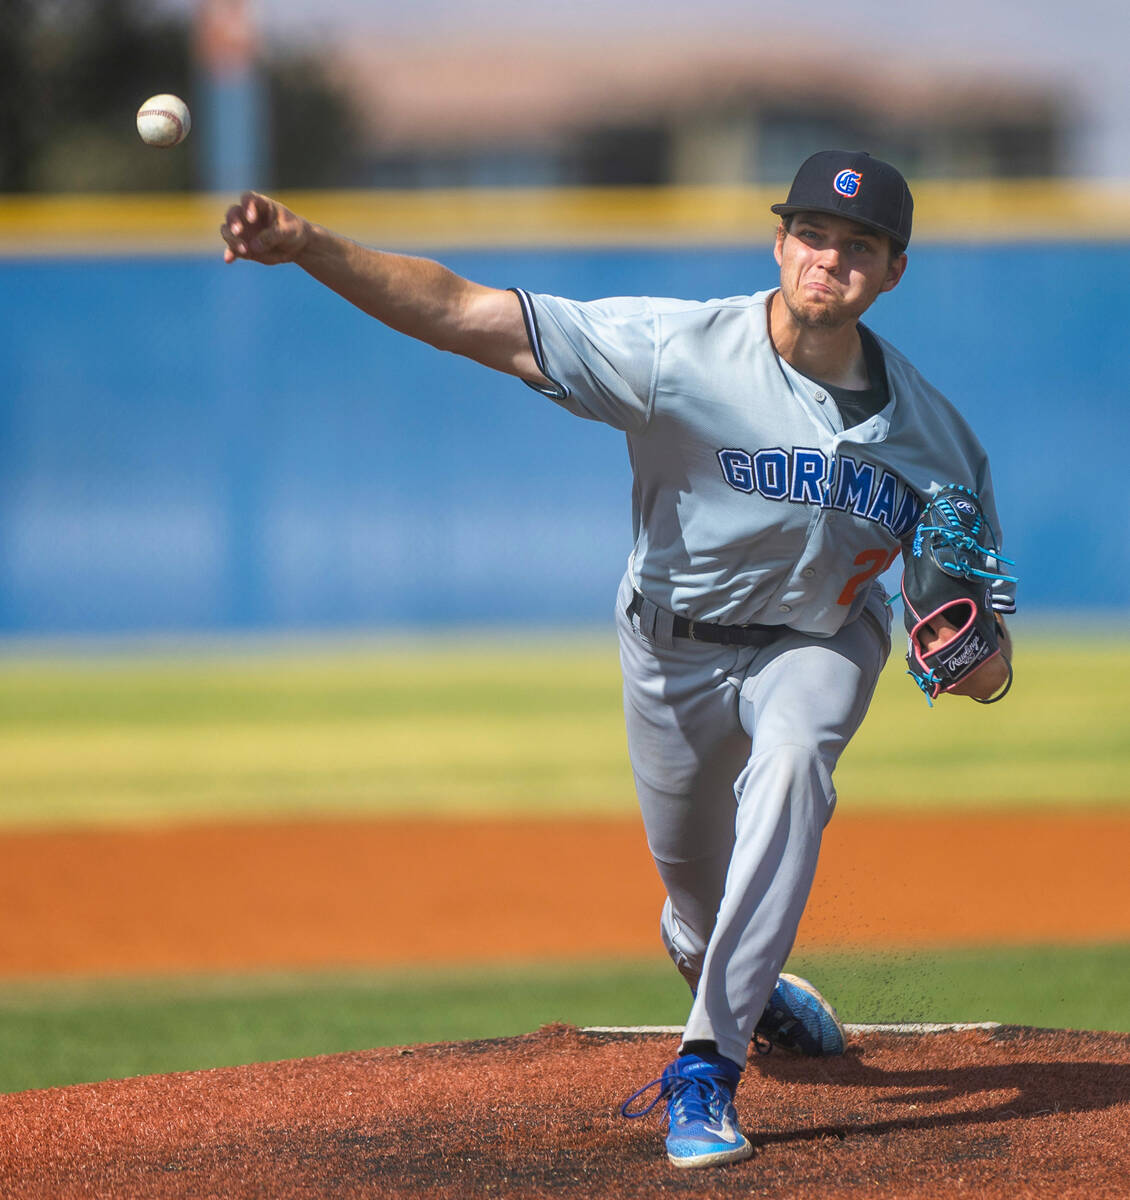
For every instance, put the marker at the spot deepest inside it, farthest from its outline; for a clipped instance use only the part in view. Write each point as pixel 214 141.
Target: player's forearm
pixel 414 296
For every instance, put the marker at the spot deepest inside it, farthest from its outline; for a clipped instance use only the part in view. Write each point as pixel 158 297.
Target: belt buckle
pixel 690 630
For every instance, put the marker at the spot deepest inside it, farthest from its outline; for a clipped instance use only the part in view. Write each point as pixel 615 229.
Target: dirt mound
pixel 1004 1113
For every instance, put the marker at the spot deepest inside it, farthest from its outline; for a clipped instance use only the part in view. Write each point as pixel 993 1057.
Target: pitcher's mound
pixel 986 1112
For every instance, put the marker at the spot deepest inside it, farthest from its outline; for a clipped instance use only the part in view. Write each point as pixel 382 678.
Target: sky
pixel 964 23
pixel 1080 45
pixel 1048 29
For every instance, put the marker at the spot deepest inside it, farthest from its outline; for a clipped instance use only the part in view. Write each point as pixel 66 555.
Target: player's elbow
pixel 488 327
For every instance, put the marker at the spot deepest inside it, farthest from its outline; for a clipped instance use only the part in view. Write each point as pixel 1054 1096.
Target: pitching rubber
pixel 912 1027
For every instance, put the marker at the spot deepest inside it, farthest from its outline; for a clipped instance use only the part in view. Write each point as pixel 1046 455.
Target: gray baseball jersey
pixel 752 503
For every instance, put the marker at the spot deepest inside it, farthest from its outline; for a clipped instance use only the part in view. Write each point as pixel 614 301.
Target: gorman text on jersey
pixel 807 476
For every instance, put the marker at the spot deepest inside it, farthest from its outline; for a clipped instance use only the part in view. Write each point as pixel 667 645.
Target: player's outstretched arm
pixel 414 296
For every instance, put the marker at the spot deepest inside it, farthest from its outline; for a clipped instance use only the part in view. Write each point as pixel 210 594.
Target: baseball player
pixel 782 454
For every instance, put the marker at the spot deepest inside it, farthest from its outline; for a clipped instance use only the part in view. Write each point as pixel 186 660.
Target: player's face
pixel 832 269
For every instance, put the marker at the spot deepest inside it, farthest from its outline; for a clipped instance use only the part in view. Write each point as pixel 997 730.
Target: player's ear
pixel 782 233
pixel 895 269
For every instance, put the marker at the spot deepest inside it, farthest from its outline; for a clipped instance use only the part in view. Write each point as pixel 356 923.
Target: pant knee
pixel 793 772
pixel 684 950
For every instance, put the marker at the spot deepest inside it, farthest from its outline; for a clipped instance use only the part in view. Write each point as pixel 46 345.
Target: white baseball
pixel 163 120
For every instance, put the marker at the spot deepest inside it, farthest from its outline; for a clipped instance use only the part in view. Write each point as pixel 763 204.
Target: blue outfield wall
pixel 189 446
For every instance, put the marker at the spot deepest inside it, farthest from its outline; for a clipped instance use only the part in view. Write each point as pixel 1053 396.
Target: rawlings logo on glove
pixel 947 594
pixel 973 652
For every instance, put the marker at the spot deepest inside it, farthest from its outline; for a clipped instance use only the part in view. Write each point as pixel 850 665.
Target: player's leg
pixel 686 746
pixel 801 702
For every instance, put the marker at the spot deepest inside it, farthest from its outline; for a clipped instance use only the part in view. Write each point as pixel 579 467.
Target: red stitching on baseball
pixel 161 112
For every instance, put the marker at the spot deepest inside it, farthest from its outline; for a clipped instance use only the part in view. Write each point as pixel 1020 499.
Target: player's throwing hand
pixel 263 231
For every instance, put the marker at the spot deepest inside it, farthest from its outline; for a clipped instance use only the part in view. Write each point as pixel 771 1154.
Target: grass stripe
pixel 492 726
pixel 81 1031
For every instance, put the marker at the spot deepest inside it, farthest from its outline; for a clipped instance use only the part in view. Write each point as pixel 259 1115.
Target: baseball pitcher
pixel 783 457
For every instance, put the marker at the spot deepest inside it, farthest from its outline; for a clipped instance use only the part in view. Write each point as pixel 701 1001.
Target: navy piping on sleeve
pixel 555 390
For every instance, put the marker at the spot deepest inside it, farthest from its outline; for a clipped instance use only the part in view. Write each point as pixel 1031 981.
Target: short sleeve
pixel 599 355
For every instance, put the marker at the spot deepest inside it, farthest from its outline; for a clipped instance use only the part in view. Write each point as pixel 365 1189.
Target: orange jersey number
pixel 874 562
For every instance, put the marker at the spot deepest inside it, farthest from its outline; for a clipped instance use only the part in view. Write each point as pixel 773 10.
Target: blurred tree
pixel 73 72
pixel 315 129
pixel 18 102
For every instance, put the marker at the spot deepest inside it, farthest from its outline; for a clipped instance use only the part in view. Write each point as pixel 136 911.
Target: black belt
pixel 700 631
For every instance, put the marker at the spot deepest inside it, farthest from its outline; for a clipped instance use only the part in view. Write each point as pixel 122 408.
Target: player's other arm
pixel 414 296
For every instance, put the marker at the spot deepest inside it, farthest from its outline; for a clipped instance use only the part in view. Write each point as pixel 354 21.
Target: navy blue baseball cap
pixel 852 184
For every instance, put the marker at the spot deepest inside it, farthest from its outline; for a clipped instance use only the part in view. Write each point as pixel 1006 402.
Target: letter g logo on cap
pixel 847 182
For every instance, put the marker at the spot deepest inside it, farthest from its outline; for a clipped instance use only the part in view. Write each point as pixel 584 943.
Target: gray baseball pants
pixel 733 750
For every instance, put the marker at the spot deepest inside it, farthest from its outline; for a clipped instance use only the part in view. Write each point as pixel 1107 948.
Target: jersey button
pixel 821 397
pixel 808 572
pixel 784 608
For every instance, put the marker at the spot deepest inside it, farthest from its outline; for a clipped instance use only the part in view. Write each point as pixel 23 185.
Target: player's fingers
pixel 260 210
pixel 252 209
pixel 944 628
pixel 257 228
pixel 232 236
pixel 936 632
pixel 234 218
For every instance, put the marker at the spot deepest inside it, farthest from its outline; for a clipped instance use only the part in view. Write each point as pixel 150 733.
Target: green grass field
pixel 494 725
pixel 81 1032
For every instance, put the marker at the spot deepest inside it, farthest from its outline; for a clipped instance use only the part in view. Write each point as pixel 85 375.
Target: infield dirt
pixel 375 893
pixel 1010 1115
pixel 1004 1115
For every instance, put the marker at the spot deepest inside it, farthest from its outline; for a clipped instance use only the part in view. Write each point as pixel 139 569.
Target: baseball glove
pixel 948 572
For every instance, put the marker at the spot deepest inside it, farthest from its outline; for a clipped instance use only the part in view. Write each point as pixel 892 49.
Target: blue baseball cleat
pixel 702 1123
pixel 798 1019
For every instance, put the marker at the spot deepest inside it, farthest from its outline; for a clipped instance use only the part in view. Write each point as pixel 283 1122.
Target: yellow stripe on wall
pixel 973 211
